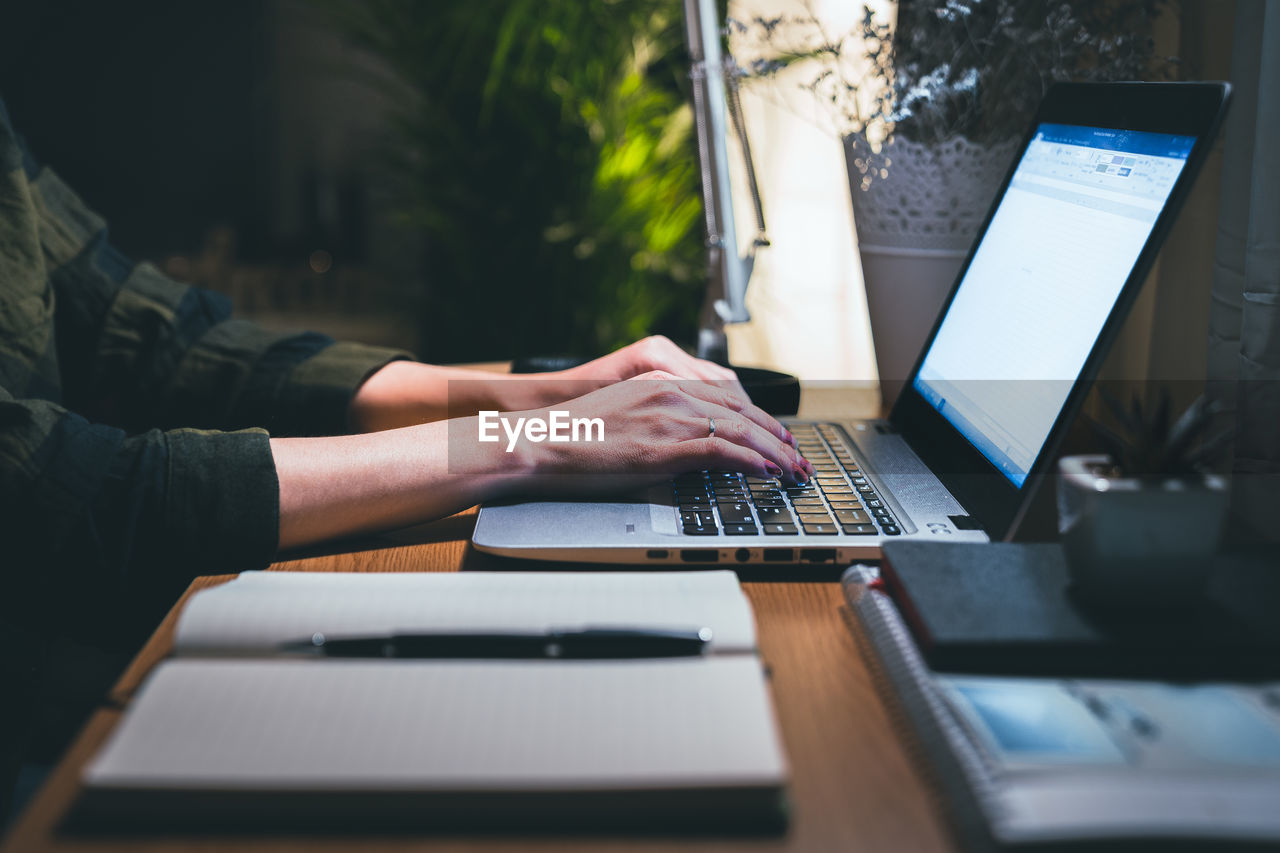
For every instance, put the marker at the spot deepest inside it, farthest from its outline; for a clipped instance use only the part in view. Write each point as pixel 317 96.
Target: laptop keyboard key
pixel 852 516
pixel 735 514
pixel 740 530
pixel 820 529
pixel 860 529
pixel 730 491
pixel 779 529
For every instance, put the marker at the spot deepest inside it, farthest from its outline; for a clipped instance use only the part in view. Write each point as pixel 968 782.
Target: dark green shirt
pixel 134 413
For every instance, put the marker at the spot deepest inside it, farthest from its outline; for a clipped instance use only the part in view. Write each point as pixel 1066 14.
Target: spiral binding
pixel 969 793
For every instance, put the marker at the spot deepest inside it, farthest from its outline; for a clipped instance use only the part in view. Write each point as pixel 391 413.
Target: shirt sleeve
pixel 139 350
pixel 124 513
pixel 135 414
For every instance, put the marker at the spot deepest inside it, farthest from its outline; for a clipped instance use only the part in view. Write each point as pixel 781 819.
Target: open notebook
pixel 230 733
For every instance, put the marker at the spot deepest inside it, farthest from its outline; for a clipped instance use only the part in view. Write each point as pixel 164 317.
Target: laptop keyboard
pixel 839 499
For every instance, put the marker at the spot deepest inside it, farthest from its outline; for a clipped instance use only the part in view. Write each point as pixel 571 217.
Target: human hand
pixel 404 393
pixel 654 353
pixel 656 426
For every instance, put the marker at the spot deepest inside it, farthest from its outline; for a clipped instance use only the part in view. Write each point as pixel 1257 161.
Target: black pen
pixel 584 643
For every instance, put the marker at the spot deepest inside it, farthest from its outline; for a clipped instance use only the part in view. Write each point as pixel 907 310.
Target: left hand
pixel 644 356
pixel 404 393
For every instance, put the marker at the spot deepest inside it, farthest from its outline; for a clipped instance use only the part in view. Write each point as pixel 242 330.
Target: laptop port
pixel 818 555
pixel 691 556
pixel 779 555
pixel 657 553
pixel 742 555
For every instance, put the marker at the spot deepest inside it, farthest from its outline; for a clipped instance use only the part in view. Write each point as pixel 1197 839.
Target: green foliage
pixel 546 156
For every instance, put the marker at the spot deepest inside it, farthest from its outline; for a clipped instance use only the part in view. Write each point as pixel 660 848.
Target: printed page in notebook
pixel 274 725
pixel 256 612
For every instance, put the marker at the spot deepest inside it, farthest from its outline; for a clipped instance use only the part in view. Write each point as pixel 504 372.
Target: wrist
pixel 487 457
pixel 521 395
pixel 519 455
pixel 389 398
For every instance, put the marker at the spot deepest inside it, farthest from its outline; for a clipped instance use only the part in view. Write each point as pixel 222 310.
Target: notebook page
pixel 267 725
pixel 256 612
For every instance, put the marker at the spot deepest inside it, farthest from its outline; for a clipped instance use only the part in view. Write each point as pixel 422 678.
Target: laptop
pixel 1058 262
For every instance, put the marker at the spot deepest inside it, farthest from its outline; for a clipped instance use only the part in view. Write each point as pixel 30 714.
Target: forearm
pixel 406 393
pixel 347 485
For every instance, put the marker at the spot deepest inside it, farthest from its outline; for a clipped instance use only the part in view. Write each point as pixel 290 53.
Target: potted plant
pixel 931 111
pixel 1140 524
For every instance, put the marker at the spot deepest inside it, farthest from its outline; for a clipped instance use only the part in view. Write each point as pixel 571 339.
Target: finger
pixel 709 370
pixel 733 427
pixel 655 375
pixel 667 356
pixel 718 454
pixel 739 402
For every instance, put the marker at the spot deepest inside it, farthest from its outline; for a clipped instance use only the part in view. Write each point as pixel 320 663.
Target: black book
pixel 1009 609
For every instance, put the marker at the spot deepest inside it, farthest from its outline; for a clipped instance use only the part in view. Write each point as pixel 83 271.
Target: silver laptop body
pixel 647 528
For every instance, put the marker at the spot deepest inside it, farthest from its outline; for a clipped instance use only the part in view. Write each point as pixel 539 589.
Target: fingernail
pixel 800 475
pixel 791 438
pixel 774 470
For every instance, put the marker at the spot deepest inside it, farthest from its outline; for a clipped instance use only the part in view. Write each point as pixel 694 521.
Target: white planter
pixel 915 226
pixel 1133 542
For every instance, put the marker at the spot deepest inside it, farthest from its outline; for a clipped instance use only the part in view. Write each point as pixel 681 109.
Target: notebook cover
pixel 1006 608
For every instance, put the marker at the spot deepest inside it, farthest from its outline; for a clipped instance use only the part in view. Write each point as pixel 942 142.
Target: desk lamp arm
pixel 728 273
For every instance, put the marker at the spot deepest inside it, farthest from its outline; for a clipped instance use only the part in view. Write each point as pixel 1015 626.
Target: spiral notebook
pixel 230 733
pixel 1035 761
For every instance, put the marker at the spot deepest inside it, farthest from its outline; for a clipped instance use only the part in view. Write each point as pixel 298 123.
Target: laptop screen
pixel 1069 229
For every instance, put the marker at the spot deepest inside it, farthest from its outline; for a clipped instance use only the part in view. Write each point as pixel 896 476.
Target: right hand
pixel 657 426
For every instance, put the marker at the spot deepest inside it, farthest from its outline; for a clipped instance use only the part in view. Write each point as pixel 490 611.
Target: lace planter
pixel 915 224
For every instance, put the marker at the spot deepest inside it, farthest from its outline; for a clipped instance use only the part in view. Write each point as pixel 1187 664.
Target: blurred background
pixel 446 177
pixel 461 179
pixel 483 179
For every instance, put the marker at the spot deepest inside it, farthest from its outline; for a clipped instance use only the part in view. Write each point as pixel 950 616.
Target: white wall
pixel 809 313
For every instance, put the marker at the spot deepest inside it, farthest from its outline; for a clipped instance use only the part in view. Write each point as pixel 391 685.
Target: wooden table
pixel 852 785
